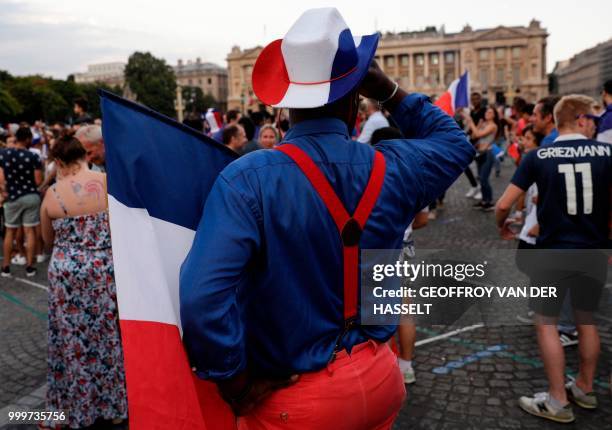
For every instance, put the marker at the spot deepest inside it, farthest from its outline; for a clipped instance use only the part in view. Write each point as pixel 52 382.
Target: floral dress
pixel 85 374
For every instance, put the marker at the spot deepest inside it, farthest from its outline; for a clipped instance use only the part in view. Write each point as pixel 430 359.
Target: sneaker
pixel 409 376
pixel 568 339
pixel 41 258
pixel 582 399
pixel 18 260
pixel 6 272
pixel 477 196
pixel 472 192
pixel 488 207
pixel 30 271
pixel 539 405
pixel 526 318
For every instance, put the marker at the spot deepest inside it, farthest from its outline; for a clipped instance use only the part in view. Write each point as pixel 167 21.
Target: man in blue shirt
pixel 543 119
pixel 231 118
pixel 604 129
pixel 262 297
pixel 573 176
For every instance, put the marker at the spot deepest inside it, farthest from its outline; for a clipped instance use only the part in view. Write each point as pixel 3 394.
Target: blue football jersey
pixel 574 179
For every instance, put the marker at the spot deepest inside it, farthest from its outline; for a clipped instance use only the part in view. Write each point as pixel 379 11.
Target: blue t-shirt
pixel 574 179
pixel 18 166
pixel 550 138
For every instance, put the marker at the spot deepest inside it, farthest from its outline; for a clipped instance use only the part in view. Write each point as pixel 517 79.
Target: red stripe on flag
pixel 445 102
pixel 163 392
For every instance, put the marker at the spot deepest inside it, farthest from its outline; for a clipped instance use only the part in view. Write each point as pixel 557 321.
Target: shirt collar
pixel 571 136
pixel 317 126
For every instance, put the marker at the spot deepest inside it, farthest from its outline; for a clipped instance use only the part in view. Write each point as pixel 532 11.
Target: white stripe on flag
pixel 147 253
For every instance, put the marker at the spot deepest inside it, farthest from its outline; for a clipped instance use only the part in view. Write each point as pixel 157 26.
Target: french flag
pixel 457 96
pixel 159 175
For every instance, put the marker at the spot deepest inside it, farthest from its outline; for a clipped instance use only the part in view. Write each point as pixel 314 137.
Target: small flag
pixel 159 175
pixel 457 96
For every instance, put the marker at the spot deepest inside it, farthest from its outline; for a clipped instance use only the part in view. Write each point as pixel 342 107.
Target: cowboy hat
pixel 317 62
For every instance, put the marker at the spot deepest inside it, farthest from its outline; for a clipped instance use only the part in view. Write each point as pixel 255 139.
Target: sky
pixel 57 38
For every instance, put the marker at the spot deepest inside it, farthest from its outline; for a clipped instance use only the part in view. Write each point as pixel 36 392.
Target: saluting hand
pixel 378 86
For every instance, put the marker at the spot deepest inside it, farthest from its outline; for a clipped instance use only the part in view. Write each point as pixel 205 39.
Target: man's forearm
pixel 501 214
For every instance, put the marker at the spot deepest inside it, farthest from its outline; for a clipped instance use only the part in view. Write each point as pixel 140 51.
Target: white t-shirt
pixel 375 121
pixel 532 215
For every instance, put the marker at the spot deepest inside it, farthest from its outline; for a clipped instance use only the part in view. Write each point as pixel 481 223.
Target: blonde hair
pixel 268 127
pixel 570 107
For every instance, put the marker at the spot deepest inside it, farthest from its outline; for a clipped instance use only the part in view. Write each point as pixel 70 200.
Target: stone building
pixel 585 72
pixel 503 62
pixel 240 67
pixel 108 73
pixel 211 78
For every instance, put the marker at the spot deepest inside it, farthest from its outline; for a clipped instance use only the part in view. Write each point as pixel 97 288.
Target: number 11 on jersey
pixel 569 171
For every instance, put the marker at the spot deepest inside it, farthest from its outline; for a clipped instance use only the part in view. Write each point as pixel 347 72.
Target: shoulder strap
pixel 59 200
pixel 349 227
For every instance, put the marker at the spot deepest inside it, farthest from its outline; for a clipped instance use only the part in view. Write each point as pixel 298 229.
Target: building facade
pixel 585 72
pixel 503 62
pixel 211 78
pixel 108 73
pixel 240 68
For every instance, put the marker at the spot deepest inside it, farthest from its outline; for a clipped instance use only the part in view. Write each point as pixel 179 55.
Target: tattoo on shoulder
pixel 94 188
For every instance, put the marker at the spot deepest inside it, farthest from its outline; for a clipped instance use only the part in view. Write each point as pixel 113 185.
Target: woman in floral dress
pixel 85 363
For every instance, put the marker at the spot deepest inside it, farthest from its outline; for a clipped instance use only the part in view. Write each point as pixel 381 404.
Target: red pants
pixel 362 391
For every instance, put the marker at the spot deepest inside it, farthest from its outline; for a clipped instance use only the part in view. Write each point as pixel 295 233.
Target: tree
pixel 38 99
pixel 152 81
pixel 9 106
pixel 196 101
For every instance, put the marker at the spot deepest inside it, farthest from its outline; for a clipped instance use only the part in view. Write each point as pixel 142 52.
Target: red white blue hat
pixel 317 62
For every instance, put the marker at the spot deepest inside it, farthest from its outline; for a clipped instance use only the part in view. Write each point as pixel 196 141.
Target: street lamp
pixel 178 103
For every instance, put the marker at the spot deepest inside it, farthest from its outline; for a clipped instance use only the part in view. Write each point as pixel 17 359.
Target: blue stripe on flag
pixel 158 164
pixel 462 98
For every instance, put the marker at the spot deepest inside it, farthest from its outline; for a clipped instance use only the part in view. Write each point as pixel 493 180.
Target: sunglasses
pixel 595 118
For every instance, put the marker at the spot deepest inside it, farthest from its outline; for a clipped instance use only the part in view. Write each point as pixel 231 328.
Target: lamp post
pixel 178 103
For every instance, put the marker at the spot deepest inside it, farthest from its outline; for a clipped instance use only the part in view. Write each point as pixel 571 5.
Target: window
pixel 499 75
pixel 448 78
pixel 209 81
pixel 435 78
pixel 483 54
pixel 500 53
pixel 390 61
pixel 404 60
pixel 516 52
pixel 449 57
pixel 420 59
pixel 420 80
pixel 516 75
pixel 483 77
pixel 435 59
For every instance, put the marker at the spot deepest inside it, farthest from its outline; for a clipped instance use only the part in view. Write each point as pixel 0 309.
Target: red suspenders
pixel 349 227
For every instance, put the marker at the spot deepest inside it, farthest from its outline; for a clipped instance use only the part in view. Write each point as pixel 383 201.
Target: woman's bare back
pixel 80 194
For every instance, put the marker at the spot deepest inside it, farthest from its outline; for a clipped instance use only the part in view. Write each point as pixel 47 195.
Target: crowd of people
pixel 53 190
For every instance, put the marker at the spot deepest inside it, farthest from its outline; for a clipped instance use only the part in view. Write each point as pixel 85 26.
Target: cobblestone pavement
pixel 471 380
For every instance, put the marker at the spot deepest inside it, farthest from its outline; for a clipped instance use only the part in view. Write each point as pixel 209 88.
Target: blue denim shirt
pixel 262 284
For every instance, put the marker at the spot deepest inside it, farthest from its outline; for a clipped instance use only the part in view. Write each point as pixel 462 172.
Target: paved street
pixel 470 380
